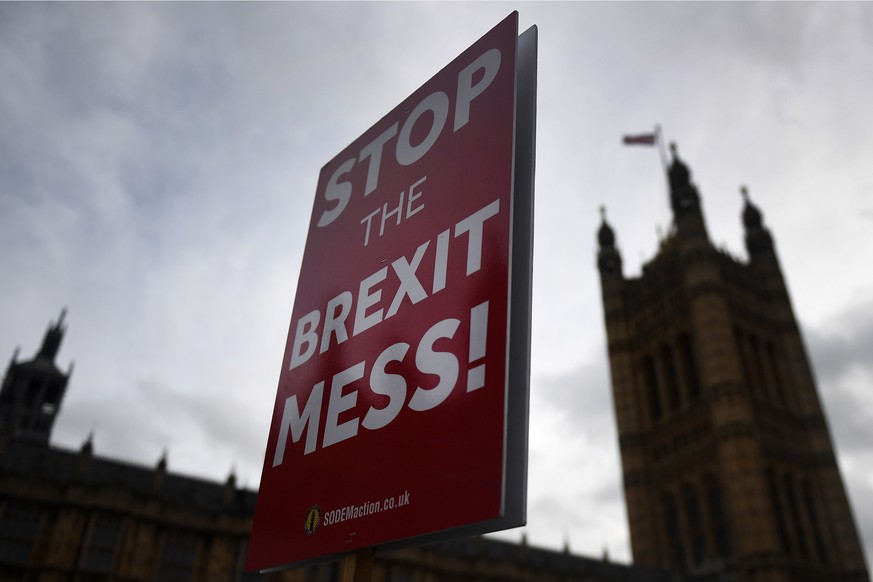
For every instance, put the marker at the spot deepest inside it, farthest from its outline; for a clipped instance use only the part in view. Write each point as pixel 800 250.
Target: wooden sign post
pixel 358 566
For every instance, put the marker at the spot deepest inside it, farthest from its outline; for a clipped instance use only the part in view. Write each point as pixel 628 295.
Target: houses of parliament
pixel 728 466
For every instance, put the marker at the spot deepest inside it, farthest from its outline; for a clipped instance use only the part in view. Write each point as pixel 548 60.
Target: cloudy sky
pixel 158 164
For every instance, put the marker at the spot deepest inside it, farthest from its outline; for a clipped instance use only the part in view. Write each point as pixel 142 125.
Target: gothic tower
pixel 728 467
pixel 33 389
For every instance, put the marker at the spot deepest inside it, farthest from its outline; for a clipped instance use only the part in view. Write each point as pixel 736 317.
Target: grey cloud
pixel 582 395
pixel 209 429
pixel 609 493
pixel 841 354
pixel 844 344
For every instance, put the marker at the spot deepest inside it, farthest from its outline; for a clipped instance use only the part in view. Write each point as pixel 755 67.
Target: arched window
pixel 652 387
pixel 101 542
pixel 817 534
pixel 690 364
pixel 742 349
pixel 178 556
pixel 674 532
pixel 19 526
pixel 674 397
pixel 776 373
pixel 695 523
pixel 778 511
pixel 761 388
pixel 717 516
pixel 794 511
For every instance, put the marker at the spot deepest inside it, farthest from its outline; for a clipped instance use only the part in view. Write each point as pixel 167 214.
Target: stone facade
pixel 728 466
pixel 729 470
pixel 72 515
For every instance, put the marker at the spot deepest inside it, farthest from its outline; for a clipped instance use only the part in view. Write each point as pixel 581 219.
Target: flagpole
pixel 656 139
pixel 660 139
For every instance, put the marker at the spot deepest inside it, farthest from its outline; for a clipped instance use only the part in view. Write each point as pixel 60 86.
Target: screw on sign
pixel 399 412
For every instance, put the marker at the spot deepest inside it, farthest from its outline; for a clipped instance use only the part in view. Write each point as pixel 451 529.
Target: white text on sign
pixel 443 364
pixel 369 310
pixel 395 212
pixel 302 420
pixel 339 191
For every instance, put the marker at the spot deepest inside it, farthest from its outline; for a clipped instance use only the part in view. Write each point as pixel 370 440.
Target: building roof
pixel 34 460
pixel 549 562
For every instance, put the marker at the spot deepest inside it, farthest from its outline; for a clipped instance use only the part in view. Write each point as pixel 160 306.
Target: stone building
pixel 729 471
pixel 72 515
pixel 728 466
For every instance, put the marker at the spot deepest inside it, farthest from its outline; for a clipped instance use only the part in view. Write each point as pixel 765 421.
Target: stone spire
pixel 608 257
pixel 684 199
pixel 32 390
pixel 758 239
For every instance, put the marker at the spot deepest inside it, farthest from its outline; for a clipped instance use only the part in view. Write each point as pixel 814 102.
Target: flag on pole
pixel 641 139
pixel 651 139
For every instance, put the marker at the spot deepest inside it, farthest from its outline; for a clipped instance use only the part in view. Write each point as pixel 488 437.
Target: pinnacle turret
pixel 758 239
pixel 32 391
pixel 608 257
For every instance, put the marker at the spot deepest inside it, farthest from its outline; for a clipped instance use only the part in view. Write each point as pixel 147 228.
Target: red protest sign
pixel 390 414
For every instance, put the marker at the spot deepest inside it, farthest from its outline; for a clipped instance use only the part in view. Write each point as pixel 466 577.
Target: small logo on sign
pixel 313 520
